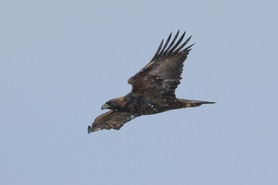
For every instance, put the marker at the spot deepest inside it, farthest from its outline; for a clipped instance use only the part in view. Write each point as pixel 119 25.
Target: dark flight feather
pixel 111 120
pixel 164 69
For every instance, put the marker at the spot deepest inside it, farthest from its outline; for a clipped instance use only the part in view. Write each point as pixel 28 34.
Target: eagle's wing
pixel 162 74
pixel 111 120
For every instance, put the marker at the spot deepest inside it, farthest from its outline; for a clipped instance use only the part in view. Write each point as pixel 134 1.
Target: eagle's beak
pixel 105 106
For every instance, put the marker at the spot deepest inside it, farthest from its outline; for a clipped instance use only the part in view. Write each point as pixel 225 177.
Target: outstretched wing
pixel 162 74
pixel 110 120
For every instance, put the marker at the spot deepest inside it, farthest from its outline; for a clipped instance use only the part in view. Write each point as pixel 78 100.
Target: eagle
pixel 153 87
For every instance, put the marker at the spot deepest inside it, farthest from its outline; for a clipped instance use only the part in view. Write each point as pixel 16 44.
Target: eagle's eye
pixel 111 104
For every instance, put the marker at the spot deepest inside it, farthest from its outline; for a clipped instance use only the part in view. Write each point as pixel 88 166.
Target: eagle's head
pixel 115 104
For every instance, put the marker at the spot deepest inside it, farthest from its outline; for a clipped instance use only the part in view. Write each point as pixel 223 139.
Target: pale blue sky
pixel 61 60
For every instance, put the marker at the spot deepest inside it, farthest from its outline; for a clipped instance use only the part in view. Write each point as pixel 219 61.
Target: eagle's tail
pixel 194 103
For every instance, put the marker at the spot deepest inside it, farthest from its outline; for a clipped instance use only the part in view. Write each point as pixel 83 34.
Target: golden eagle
pixel 153 88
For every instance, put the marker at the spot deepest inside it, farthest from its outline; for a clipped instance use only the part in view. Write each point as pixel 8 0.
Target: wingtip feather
pixel 89 129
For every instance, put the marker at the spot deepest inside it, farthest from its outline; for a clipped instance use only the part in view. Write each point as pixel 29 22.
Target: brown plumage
pixel 153 88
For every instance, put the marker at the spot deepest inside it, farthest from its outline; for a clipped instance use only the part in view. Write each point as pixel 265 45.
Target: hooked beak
pixel 105 106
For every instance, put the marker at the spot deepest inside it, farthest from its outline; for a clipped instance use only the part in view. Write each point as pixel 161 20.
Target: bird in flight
pixel 153 88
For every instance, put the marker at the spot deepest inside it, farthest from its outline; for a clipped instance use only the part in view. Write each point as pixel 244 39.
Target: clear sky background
pixel 61 60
